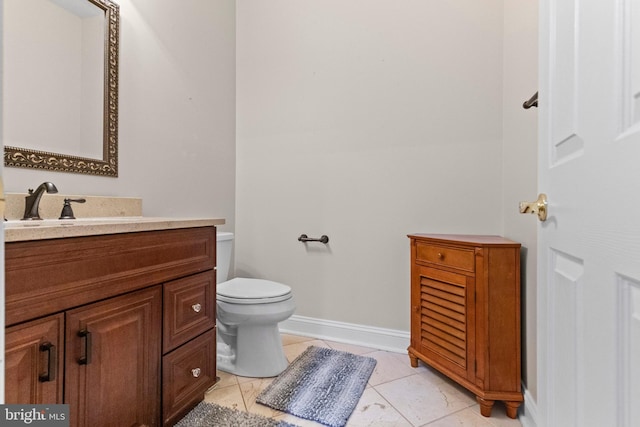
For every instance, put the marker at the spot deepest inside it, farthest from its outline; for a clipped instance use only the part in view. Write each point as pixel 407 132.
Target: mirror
pixel 60 85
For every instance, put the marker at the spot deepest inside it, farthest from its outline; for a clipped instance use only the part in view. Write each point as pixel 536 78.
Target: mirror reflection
pixel 60 85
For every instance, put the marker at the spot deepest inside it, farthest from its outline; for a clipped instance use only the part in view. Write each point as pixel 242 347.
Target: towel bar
pixel 304 238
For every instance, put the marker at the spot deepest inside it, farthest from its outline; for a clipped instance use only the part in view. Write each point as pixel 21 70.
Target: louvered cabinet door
pixel 444 320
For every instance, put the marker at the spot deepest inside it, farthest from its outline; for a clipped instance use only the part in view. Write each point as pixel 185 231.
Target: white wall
pixel 520 160
pixel 364 120
pixel 177 112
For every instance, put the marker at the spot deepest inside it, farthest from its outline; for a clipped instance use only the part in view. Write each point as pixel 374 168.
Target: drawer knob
pixel 196 372
pixel 440 255
pixel 196 307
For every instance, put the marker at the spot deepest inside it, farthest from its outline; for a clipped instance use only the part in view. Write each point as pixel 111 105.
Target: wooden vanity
pixel 119 326
pixel 465 313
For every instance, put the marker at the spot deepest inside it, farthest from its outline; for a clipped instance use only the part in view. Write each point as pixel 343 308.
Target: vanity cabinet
pixel 465 313
pixel 94 321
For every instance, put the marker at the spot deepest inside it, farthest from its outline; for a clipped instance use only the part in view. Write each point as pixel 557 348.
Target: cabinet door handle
pixel 86 359
pixel 50 375
pixel 197 307
pixel 196 372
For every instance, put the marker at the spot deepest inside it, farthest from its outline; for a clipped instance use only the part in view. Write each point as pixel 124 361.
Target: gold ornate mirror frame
pixel 108 165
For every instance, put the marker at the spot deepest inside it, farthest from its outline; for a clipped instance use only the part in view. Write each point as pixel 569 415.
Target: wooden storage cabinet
pixel 465 313
pixel 85 320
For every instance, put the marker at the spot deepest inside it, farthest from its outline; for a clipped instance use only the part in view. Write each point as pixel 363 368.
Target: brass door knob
pixel 538 207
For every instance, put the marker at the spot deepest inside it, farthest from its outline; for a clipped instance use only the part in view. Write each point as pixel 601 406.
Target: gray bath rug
pixel 322 385
pixel 211 415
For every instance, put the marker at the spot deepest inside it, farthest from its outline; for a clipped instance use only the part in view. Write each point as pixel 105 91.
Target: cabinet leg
pixel 485 406
pixel 413 360
pixel 512 409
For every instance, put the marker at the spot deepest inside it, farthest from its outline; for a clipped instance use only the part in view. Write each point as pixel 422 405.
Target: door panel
pixel 120 377
pixel 629 36
pixel 589 246
pixel 34 362
pixel 564 288
pixel 567 142
pixel 629 350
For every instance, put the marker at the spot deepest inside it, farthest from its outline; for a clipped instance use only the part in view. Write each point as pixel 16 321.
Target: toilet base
pixel 248 336
pixel 250 350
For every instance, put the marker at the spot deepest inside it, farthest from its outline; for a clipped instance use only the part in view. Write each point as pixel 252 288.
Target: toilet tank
pixel 224 244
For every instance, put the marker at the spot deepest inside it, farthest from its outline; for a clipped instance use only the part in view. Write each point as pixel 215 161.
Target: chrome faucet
pixel 32 201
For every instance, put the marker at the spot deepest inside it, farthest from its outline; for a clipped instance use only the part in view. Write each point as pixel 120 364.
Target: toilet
pixel 248 312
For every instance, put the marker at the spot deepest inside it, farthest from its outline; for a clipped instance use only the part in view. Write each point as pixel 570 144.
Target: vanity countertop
pixel 17 231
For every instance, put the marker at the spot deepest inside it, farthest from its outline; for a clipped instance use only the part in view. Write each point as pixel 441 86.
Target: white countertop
pixel 17 230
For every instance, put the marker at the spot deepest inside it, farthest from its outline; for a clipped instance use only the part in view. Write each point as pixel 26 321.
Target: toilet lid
pixel 252 291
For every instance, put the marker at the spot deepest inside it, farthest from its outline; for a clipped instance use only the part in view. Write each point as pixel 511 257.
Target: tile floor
pixel 396 395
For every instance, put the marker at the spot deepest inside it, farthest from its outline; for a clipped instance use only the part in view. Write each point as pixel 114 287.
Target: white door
pixel 589 247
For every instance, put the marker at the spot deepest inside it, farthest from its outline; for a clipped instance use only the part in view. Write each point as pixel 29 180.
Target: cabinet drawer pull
pixel 86 359
pixel 196 372
pixel 50 375
pixel 440 255
pixel 196 307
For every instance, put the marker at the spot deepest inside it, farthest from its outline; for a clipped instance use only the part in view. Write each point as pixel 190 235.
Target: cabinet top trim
pixel 468 239
pixel 20 231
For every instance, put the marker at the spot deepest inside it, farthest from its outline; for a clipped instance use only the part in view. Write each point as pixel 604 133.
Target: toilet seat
pixel 252 291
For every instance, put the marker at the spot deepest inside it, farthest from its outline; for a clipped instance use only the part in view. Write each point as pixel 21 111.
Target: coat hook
pixel 531 102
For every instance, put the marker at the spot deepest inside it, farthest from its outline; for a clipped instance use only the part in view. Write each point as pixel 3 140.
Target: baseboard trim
pixel 529 416
pixel 349 333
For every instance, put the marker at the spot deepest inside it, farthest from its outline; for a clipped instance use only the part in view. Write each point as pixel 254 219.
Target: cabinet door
pixel 113 361
pixel 445 322
pixel 33 364
pixel 187 373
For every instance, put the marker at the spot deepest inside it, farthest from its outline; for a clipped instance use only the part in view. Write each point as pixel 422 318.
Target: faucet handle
pixel 67 212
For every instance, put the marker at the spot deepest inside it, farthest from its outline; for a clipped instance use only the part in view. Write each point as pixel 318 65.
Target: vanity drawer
pixel 462 259
pixel 187 373
pixel 189 309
